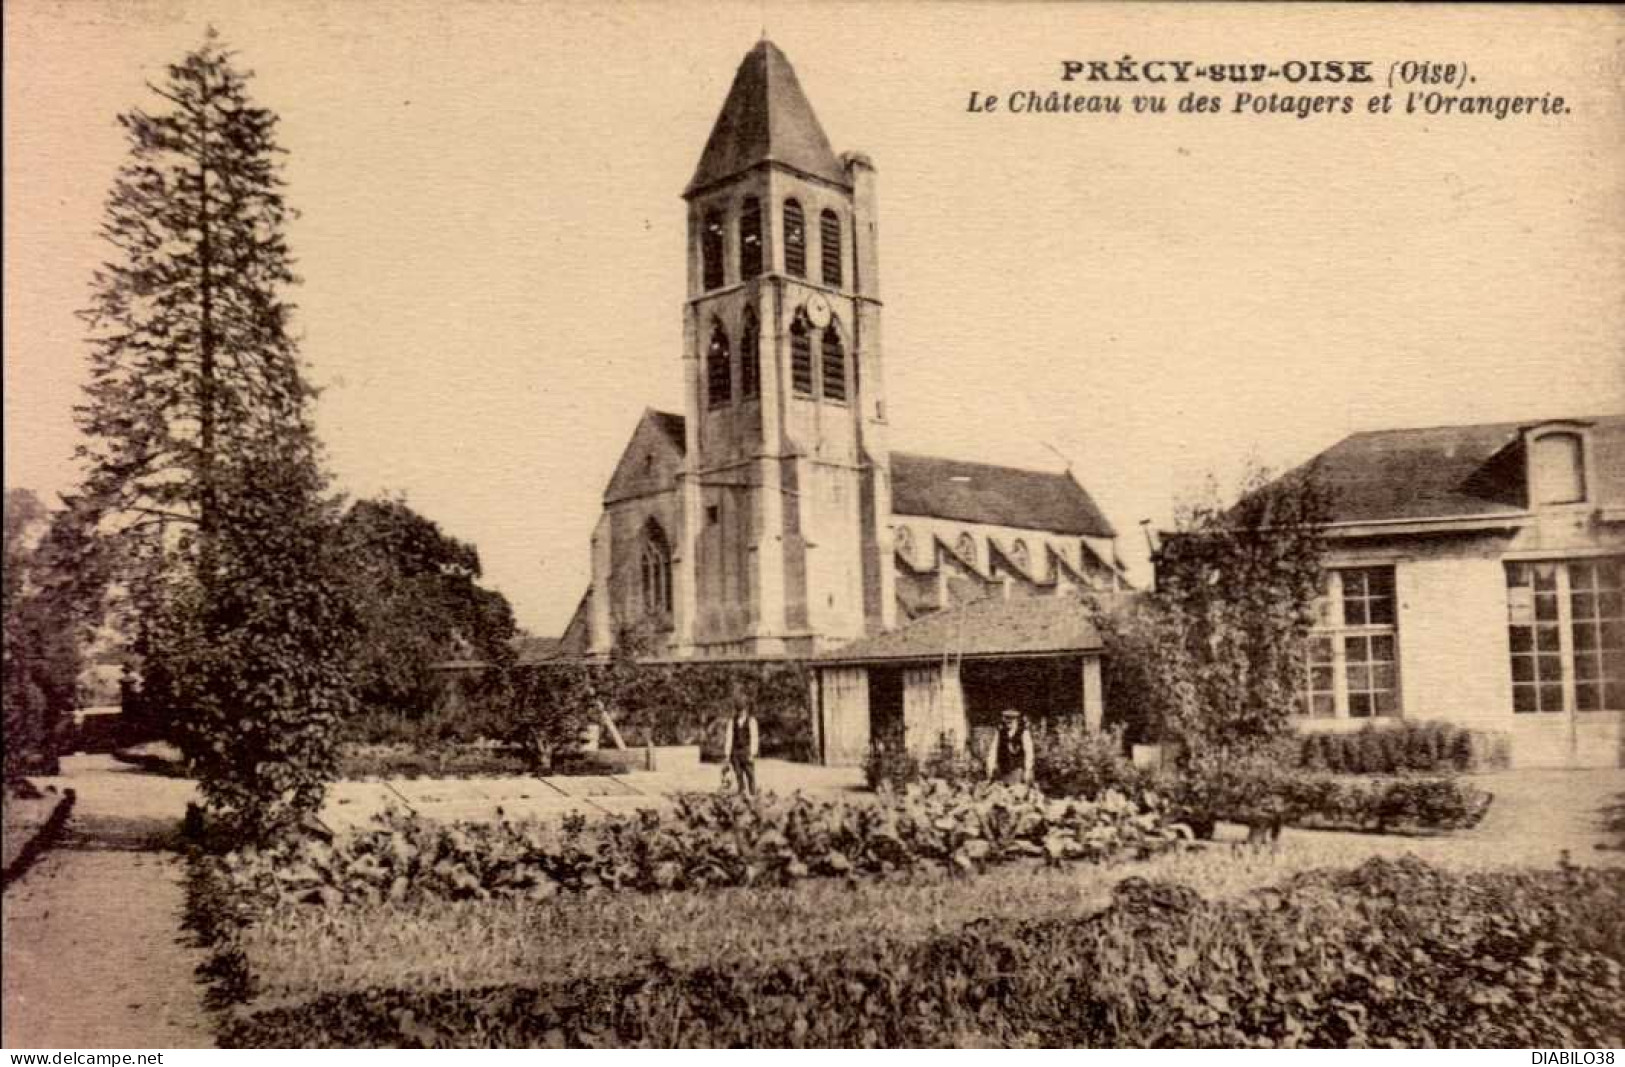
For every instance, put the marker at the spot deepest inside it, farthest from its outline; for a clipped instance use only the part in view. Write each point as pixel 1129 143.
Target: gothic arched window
pixel 750 358
pixel 795 239
pixel 801 364
pixel 829 246
pixel 750 238
pixel 718 374
pixel 834 364
pixel 711 249
pixel 966 548
pixel 655 571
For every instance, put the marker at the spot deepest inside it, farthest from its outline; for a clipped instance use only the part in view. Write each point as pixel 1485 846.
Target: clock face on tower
pixel 818 310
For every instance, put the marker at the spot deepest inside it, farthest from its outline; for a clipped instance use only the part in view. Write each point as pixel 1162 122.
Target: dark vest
pixel 1011 756
pixel 741 729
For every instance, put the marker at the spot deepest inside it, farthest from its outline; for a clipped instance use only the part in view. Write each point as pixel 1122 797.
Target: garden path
pixel 94 955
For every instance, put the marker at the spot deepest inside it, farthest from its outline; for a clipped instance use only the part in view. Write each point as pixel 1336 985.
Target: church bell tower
pixel 785 489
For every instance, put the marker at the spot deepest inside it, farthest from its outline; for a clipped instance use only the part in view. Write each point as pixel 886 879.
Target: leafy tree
pixel 262 661
pixel 421 603
pixel 549 707
pixel 54 583
pixel 1215 655
pixel 201 464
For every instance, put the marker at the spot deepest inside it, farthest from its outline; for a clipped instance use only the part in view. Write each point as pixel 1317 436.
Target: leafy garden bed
pixel 706 841
pixel 1392 953
pixel 295 952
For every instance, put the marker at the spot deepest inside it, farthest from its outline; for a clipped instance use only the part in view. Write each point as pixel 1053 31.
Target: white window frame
pixel 1331 626
pixel 1520 616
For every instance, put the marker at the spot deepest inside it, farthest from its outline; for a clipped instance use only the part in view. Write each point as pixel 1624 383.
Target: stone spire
pixel 766 119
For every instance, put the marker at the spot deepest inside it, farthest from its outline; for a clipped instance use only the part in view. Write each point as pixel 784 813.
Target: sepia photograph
pixel 813 525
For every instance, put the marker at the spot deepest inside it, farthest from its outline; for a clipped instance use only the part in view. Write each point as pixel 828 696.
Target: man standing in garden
pixel 739 747
pixel 1010 757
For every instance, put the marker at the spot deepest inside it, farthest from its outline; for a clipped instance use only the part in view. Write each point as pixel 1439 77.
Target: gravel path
pixel 94 955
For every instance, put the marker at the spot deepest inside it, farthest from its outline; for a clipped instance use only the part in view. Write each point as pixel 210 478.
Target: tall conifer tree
pixel 192 363
pixel 201 462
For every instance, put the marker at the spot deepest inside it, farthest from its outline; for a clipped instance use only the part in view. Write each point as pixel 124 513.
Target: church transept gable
pixel 652 459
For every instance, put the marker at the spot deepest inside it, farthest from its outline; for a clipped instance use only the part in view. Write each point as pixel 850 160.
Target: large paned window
pixel 1353 668
pixel 1566 635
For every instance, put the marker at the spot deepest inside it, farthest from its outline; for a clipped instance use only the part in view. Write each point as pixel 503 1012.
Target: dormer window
pixel 1557 469
pixel 903 539
pixel 1018 555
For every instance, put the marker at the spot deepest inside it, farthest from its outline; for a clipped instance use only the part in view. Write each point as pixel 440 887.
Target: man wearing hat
pixel 1010 757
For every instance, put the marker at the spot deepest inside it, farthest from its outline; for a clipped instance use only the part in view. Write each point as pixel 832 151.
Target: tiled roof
pixel 992 626
pixel 1004 496
pixel 536 649
pixel 1450 471
pixel 933 487
pixel 766 118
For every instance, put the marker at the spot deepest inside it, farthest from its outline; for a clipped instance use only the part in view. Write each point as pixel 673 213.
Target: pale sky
pixel 492 236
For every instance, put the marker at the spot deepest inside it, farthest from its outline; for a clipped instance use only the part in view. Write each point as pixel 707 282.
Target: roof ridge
pixel 981 463
pixel 1493 425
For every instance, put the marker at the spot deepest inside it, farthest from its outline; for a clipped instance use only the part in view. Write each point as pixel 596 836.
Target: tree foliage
pixel 421 603
pixel 191 357
pixel 1215 655
pixel 201 467
pixel 261 663
pixel 53 591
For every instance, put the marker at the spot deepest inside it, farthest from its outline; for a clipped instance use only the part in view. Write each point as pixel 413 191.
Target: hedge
pixel 1253 787
pixel 1408 745
pixel 1393 953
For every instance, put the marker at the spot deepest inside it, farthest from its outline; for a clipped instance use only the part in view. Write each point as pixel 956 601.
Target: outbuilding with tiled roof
pixel 1476 574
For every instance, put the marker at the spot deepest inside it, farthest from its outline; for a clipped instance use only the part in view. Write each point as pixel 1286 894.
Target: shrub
pixel 1425 747
pixel 1394 953
pixel 890 765
pixel 1071 760
pixel 952 760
